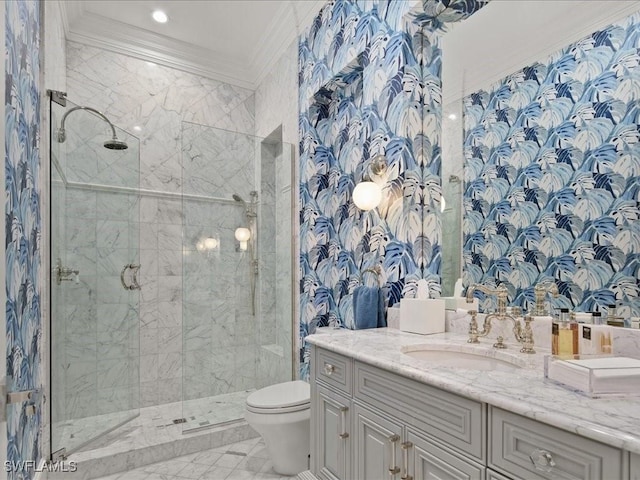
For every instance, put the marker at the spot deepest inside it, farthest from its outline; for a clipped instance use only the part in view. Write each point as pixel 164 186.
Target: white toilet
pixel 281 415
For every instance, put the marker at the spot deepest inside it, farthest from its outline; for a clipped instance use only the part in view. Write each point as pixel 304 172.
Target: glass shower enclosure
pixel 94 265
pixel 237 270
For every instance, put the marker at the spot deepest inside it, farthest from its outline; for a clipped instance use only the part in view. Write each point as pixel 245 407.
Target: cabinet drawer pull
pixel 542 460
pixel 404 475
pixel 343 421
pixel 329 369
pixel 393 469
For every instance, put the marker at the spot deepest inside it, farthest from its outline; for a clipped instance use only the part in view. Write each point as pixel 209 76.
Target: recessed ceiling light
pixel 137 128
pixel 159 16
pixel 452 116
pixel 151 64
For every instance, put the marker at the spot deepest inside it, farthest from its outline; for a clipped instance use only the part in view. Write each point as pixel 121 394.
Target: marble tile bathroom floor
pixel 245 460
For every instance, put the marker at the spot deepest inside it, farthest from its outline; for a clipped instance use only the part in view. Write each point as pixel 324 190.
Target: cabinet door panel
pixel 635 467
pixel 429 461
pixel 377 441
pixel 331 450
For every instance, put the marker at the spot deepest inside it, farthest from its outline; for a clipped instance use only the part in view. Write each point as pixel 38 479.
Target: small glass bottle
pixel 597 318
pixel 564 333
pixel 612 317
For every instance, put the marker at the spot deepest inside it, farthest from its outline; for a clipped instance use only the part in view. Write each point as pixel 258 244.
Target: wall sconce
pixel 243 235
pixel 368 194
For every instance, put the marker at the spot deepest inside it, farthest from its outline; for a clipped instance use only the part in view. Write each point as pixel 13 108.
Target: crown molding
pixel 98 31
pixel 290 22
pixel 587 17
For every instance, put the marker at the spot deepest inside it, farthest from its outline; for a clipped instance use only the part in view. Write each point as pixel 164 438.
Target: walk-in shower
pixel 211 322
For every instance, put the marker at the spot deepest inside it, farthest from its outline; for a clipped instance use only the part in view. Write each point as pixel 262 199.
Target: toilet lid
pixel 281 395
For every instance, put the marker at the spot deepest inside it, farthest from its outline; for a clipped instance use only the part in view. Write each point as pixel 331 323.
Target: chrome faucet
pixel 524 336
pixel 540 293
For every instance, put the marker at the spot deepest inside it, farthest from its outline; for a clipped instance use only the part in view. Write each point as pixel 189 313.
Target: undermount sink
pixel 462 359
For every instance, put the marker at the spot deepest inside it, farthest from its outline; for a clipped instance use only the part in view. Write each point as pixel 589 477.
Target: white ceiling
pixel 236 41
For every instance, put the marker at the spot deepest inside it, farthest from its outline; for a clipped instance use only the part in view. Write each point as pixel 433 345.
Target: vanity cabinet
pixel 372 424
pixel 369 424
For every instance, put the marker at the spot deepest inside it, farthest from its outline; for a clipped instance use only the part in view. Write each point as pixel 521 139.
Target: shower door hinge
pixel 59 97
pixel 59 455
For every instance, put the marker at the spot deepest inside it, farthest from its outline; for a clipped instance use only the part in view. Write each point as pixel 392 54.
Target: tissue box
pixel 424 316
pixel 454 303
pixel 595 375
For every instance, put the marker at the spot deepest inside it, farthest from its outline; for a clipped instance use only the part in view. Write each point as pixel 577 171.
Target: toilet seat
pixel 280 398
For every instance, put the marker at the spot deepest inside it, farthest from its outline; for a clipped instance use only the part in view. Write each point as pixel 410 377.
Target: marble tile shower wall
pixel 100 339
pixel 132 93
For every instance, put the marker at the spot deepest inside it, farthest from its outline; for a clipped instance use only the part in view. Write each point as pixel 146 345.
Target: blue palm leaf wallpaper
pixel 369 84
pixel 552 175
pixel 23 224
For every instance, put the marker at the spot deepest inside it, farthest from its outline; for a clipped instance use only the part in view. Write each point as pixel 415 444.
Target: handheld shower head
pixel 113 144
pixel 238 198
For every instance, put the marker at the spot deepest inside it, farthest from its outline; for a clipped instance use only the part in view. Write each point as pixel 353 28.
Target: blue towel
pixel 368 308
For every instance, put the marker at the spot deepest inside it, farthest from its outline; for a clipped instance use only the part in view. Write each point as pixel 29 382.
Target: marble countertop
pixel 525 391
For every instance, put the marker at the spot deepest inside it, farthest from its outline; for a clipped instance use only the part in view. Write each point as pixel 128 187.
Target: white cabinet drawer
pixel 334 370
pixel 516 442
pixel 428 461
pixel 449 418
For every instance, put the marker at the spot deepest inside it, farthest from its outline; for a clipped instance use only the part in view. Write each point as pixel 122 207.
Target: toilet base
pixel 286 437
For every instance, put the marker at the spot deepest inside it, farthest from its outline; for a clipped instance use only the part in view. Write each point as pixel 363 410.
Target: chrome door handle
pixel 404 475
pixel 134 280
pixel 343 420
pixel 124 284
pixel 134 285
pixel 393 469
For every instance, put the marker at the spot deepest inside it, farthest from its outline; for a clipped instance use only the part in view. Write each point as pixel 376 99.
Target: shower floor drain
pixel 179 420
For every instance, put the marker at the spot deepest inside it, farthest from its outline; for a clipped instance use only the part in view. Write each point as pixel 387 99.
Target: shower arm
pixel 62 136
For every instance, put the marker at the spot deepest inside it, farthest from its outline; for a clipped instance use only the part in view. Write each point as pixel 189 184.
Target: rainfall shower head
pixel 113 144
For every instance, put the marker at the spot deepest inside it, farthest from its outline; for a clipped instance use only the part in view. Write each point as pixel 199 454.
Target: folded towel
pixel 368 308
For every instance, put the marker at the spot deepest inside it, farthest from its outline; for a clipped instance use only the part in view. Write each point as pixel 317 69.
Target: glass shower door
pixel 94 300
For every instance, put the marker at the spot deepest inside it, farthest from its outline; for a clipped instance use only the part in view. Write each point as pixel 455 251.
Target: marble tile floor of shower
pixel 153 435
pixel 246 460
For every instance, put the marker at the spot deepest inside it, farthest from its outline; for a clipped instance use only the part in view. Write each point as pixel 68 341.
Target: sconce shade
pixel 367 195
pixel 243 234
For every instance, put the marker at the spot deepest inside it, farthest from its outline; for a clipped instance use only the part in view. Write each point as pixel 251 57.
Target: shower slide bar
pixel 149 193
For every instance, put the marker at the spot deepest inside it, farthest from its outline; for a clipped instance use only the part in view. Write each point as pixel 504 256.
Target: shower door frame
pixel 62 453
